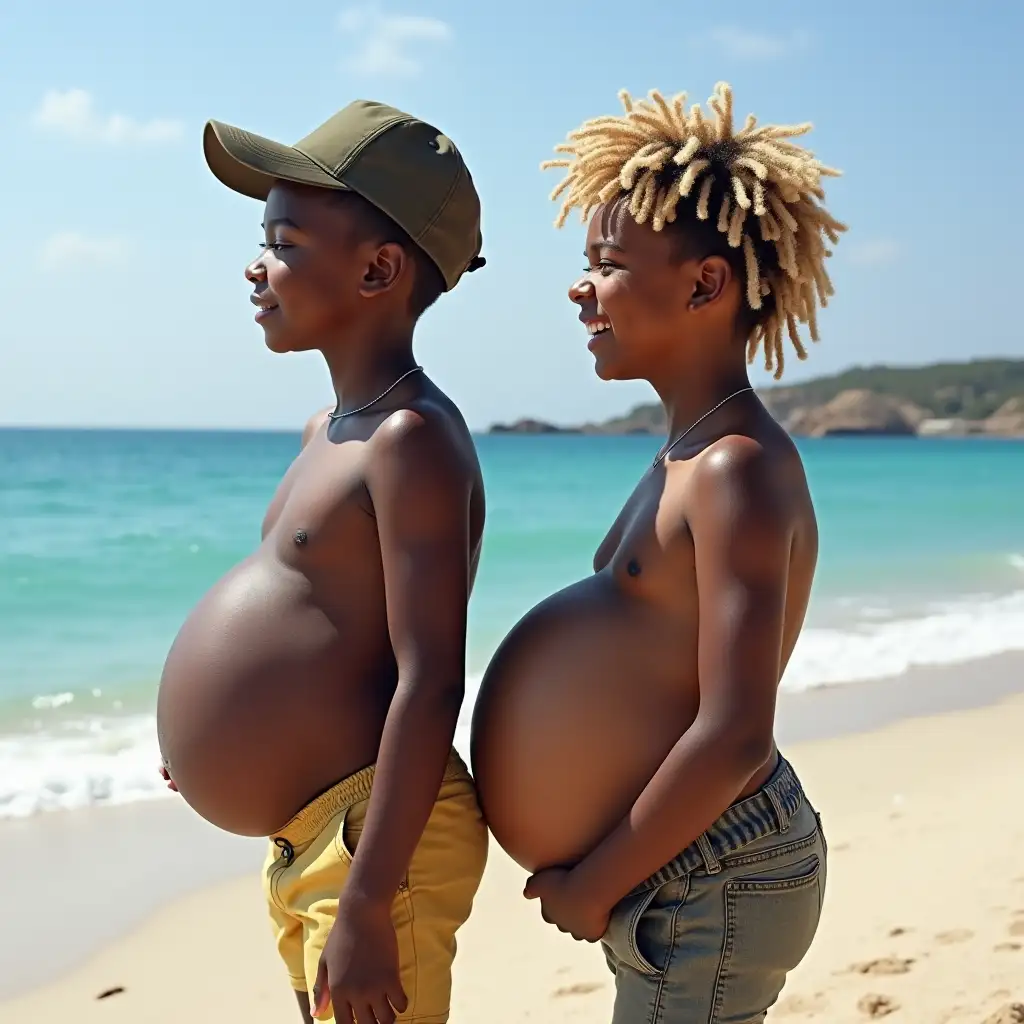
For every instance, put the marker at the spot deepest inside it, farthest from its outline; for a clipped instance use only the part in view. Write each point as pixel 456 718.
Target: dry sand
pixel 923 923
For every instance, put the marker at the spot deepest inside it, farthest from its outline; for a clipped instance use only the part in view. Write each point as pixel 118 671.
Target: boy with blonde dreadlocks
pixel 624 738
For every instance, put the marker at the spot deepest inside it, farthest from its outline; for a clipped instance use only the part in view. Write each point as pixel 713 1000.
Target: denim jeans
pixel 711 937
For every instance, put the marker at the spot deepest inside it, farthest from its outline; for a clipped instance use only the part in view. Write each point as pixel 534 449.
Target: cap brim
pixel 250 164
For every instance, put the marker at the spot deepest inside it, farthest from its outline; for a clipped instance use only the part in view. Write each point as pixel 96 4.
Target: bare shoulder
pixel 428 436
pixel 314 424
pixel 751 475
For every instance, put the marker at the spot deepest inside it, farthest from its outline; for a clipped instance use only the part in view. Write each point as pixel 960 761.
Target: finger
pixel 321 992
pixel 361 1012
pixel 397 997
pixel 346 1015
pixel 381 1009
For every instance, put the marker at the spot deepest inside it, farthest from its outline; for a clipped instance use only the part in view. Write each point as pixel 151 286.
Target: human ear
pixel 385 268
pixel 712 277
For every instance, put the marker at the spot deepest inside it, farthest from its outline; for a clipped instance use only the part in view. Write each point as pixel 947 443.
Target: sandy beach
pixel 143 913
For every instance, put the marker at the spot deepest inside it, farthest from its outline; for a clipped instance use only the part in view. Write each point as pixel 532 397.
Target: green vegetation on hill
pixel 891 400
pixel 971 391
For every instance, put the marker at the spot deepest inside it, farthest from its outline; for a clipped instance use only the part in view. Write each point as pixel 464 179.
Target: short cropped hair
pixel 429 282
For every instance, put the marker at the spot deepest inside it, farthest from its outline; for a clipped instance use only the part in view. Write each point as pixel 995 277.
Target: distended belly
pixel 579 707
pixel 254 714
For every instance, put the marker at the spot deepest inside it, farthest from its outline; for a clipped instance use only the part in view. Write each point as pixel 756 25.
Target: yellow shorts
pixel 309 860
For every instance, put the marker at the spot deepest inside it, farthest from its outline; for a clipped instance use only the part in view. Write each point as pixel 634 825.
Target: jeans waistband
pixel 769 810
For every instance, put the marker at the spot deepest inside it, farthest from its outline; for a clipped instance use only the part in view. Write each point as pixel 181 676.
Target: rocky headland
pixel 981 397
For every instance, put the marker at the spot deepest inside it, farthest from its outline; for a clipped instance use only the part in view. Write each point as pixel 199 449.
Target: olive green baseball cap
pixel 403 166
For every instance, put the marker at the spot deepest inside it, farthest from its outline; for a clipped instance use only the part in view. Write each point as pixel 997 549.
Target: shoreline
pixel 141 861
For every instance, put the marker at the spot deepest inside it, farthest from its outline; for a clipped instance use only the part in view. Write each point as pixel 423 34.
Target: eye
pixel 275 246
pixel 603 268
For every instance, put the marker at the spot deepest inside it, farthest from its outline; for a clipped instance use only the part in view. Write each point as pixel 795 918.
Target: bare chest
pixel 649 549
pixel 322 508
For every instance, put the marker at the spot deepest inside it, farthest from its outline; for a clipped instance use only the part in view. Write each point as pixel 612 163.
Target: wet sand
pixel 924 917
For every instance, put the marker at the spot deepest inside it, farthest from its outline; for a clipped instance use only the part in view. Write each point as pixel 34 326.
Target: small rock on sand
pixel 1012 1013
pixel 582 988
pixel 876 1006
pixel 884 965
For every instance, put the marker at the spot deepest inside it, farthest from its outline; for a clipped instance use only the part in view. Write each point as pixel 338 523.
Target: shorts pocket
pixel 346 839
pixel 643 928
pixel 770 920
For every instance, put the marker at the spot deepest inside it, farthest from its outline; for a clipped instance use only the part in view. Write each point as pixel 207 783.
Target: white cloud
pixel 744 45
pixel 69 250
pixel 389 44
pixel 875 252
pixel 73 114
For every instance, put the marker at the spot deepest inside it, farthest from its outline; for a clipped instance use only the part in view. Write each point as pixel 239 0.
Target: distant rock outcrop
pixel 530 426
pixel 857 411
pixel 644 419
pixel 983 396
pixel 1007 420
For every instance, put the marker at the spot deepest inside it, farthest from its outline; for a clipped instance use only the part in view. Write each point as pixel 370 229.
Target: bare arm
pixel 742 533
pixel 420 487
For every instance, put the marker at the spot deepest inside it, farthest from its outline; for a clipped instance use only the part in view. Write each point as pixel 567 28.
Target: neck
pixel 690 393
pixel 362 373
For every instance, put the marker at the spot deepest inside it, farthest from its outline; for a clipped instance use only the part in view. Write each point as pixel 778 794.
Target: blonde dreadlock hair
pixel 767 191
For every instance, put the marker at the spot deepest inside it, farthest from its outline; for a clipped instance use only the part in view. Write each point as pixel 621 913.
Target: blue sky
pixel 124 298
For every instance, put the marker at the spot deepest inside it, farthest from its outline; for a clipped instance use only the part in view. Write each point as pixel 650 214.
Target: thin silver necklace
pixel 352 412
pixel 665 451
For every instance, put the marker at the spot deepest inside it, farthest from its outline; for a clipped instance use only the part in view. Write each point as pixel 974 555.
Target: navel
pixel 633 567
pixel 300 537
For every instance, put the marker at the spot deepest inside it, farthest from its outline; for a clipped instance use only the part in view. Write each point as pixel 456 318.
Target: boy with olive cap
pixel 312 695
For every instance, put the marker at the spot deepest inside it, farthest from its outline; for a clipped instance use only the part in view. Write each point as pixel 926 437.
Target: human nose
pixel 256 271
pixel 581 290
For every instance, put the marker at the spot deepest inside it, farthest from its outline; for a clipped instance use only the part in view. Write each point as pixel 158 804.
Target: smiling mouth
pixel 596 327
pixel 264 310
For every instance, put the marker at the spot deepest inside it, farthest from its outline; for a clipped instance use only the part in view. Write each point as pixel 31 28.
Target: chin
pixel 609 363
pixel 605 366
pixel 283 345
pixel 606 369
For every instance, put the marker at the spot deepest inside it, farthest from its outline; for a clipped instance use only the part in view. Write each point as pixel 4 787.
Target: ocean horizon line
pixel 561 431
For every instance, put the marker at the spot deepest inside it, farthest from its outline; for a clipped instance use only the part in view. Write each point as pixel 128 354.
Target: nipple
pixel 300 537
pixel 633 568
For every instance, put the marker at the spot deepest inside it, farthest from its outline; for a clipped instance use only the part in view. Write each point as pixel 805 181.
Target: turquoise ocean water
pixel 109 538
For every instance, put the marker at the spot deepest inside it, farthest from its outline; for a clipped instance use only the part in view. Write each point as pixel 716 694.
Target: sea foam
pixel 100 760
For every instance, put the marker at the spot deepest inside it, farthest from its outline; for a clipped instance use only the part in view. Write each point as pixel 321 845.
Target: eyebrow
pixel 604 244
pixel 286 221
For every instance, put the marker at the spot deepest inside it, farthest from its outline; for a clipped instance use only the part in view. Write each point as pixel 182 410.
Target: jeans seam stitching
pixel 782 885
pixel 726 957
pixel 672 950
pixel 776 851
pixel 634 922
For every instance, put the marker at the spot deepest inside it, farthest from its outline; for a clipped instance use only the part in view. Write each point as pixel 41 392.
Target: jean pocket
pixel 642 928
pixel 771 919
